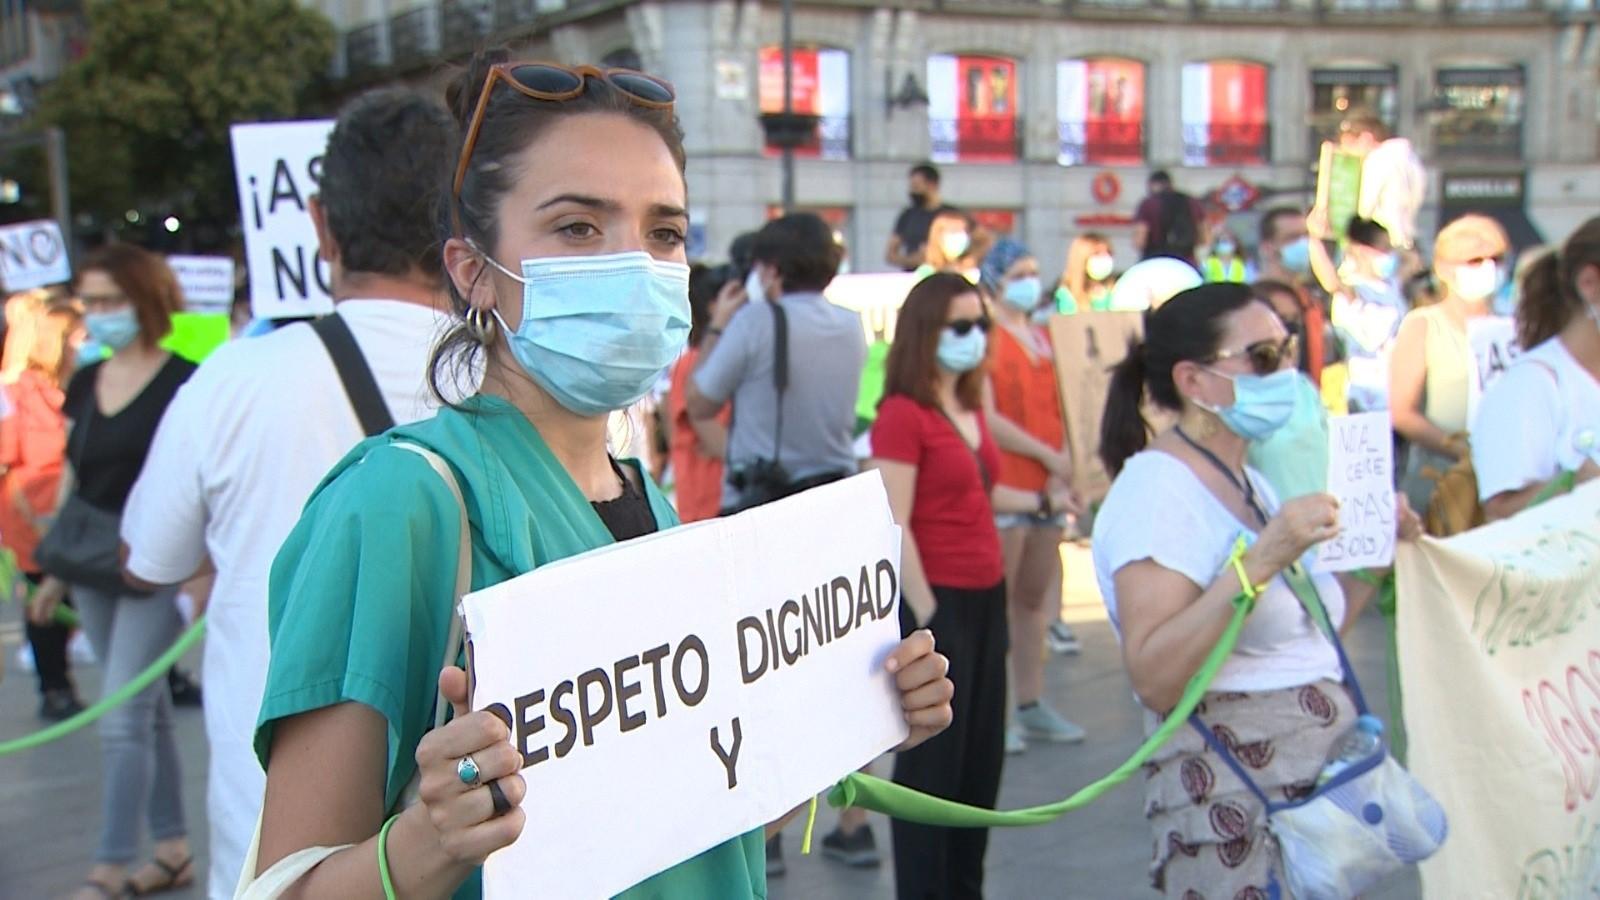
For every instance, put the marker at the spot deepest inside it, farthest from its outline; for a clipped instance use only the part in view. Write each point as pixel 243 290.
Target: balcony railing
pixel 414 35
pixel 976 139
pixel 1101 143
pixel 1365 7
pixel 832 140
pixel 1227 143
pixel 1478 140
pixel 464 24
pixel 365 48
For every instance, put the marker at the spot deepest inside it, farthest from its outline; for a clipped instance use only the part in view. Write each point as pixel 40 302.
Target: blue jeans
pixel 142 773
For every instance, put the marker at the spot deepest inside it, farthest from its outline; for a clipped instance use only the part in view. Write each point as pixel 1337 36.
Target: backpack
pixel 1179 232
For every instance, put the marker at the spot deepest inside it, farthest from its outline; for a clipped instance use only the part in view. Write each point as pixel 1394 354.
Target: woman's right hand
pixel 1299 524
pixel 463 815
pixel 42 605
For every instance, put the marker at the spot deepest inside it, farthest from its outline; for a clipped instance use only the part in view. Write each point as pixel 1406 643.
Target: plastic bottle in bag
pixel 1362 740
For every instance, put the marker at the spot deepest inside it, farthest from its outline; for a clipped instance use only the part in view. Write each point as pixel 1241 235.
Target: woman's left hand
pixel 1407 524
pixel 925 691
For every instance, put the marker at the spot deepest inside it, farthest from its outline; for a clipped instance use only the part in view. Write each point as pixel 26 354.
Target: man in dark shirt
pixel 1168 222
pixel 906 244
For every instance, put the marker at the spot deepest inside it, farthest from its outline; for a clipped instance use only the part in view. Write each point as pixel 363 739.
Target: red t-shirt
pixel 698 477
pixel 951 516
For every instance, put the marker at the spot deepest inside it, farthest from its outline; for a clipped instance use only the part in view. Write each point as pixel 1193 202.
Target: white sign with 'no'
pixel 33 254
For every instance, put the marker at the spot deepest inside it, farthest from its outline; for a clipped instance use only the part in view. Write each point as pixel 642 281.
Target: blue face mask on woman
pixel 1262 404
pixel 1296 256
pixel 598 332
pixel 961 353
pixel 115 329
pixel 1022 294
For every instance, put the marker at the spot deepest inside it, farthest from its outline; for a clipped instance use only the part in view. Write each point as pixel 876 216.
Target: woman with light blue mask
pixel 1187 527
pixel 1022 402
pixel 565 265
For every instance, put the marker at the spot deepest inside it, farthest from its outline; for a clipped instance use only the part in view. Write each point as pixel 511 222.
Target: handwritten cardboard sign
pixel 277 167
pixel 679 690
pixel 207 282
pixel 1361 475
pixel 32 254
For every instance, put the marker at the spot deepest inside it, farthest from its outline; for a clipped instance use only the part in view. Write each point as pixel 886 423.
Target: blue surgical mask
pixel 598 332
pixel 1022 294
pixel 1386 266
pixel 1294 458
pixel 115 329
pixel 1262 404
pixel 962 353
pixel 1505 299
pixel 1296 256
pixel 1226 248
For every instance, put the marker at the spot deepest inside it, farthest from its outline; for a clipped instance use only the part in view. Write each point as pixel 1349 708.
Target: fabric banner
pixel 972 109
pixel 1499 637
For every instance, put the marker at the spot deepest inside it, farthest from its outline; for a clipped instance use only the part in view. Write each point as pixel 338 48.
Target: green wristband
pixel 383 858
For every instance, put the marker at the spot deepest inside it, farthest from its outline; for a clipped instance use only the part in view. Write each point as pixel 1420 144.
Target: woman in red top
pixel 33 439
pixel 932 445
pixel 1023 404
pixel 697 447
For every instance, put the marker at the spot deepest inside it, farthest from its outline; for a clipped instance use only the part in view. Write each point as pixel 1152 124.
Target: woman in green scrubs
pixel 565 262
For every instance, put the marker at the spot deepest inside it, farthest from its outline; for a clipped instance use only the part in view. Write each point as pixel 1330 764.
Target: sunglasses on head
pixel 553 83
pixel 961 327
pixel 1265 357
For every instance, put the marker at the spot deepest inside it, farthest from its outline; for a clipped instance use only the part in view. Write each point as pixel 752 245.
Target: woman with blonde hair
pixel 1432 370
pixel 1087 282
pixel 33 440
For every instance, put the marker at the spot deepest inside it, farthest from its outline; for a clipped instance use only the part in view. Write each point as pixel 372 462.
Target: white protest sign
pixel 207 282
pixel 32 254
pixel 679 690
pixel 1494 347
pixel 1361 475
pixel 876 297
pixel 277 167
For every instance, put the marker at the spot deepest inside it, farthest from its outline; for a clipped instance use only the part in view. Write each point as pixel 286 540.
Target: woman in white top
pixel 1542 418
pixel 1221 360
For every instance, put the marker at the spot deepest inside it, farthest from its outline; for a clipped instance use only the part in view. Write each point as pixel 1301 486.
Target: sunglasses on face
pixel 961 327
pixel 1265 357
pixel 556 84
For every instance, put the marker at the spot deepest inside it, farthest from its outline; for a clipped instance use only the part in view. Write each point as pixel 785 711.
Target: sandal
pixel 175 878
pixel 107 891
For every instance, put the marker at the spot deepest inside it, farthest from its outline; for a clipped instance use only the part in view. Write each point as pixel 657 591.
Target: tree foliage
pixel 147 108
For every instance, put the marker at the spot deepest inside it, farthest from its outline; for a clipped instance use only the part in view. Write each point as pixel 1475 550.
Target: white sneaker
pixel 1015 742
pixel 1043 723
pixel 81 651
pixel 1062 639
pixel 25 656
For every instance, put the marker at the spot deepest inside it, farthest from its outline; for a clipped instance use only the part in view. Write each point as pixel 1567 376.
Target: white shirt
pixel 1368 318
pixel 1193 535
pixel 1534 421
pixel 238 452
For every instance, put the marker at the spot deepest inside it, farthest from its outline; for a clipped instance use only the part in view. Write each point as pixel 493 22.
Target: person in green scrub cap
pixel 567 217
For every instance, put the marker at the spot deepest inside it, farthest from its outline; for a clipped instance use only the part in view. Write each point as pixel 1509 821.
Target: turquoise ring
pixel 467 770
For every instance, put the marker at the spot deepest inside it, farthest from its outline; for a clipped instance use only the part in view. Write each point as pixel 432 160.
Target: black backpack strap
pixel 780 369
pixel 354 373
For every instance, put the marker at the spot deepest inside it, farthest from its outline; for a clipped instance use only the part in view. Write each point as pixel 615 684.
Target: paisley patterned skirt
pixel 1209 828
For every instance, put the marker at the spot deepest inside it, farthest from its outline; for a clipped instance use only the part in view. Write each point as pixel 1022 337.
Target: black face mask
pixel 919 199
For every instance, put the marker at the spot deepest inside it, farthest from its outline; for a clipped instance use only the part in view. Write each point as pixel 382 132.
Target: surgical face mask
pixel 1477 282
pixel 1505 299
pixel 1100 266
pixel 918 199
pixel 1226 248
pixel 754 290
pixel 954 244
pixel 115 329
pixel 962 353
pixel 1262 404
pixel 1022 294
pixel 598 332
pixel 1296 256
pixel 1386 266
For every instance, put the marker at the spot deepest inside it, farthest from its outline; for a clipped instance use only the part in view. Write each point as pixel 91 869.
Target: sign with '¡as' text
pixel 680 690
pixel 277 167
pixel 33 254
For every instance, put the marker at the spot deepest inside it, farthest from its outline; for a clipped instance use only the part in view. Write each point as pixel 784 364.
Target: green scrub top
pixel 360 597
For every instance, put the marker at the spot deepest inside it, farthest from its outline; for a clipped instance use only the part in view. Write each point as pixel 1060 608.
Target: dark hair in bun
pixel 510 123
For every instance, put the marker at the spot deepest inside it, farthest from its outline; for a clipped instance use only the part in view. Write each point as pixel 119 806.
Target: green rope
pixel 909 805
pixel 156 670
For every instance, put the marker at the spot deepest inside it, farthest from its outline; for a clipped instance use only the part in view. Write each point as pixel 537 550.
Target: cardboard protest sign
pixel 1500 669
pixel 207 282
pixel 1087 346
pixel 1494 347
pixel 1361 475
pixel 876 297
pixel 1338 187
pixel 277 167
pixel 740 677
pixel 33 254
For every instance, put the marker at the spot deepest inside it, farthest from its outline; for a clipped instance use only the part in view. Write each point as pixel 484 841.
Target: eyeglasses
pixel 1265 357
pixel 960 327
pixel 557 84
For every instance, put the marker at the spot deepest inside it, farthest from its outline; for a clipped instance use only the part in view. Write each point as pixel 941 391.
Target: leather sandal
pixel 175 878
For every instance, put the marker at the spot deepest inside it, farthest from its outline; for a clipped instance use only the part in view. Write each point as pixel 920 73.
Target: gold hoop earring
pixel 479 324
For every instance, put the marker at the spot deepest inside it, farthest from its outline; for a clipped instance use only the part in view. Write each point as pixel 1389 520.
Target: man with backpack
pixel 1168 222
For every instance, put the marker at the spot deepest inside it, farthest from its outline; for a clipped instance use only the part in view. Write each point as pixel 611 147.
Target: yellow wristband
pixel 1236 559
